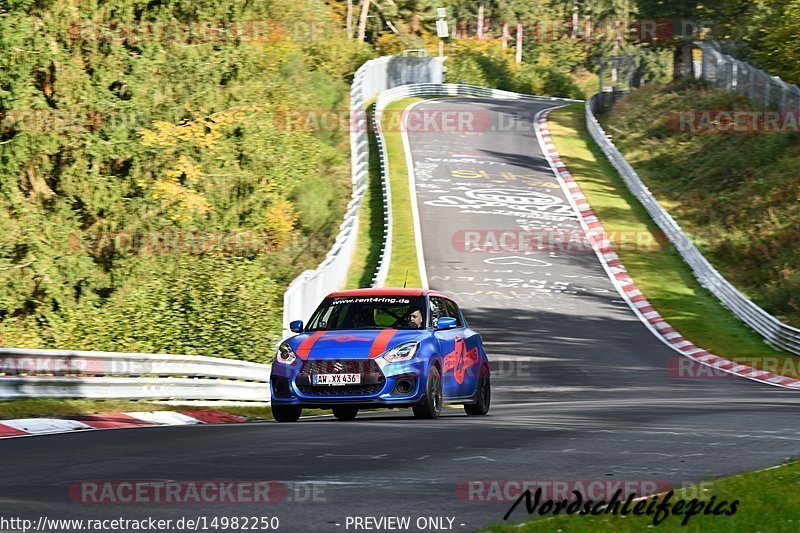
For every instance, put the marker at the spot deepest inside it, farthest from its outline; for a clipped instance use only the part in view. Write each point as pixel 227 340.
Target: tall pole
pixel 442 30
pixel 349 19
pixel 362 20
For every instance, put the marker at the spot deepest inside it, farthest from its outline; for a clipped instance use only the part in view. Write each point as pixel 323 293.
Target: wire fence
pixel 776 333
pixel 730 74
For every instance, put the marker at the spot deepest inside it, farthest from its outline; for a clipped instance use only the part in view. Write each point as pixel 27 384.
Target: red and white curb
pixel 625 284
pixel 25 427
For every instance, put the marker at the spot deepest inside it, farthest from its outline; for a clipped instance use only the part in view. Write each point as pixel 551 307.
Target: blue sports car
pixel 381 348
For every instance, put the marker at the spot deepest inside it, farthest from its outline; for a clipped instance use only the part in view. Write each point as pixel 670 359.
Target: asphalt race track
pixel 581 389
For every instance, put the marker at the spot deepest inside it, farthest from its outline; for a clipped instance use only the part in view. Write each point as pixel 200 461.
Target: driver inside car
pixel 415 318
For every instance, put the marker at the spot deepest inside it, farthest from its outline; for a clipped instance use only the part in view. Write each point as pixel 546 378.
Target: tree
pixel 686 16
pixel 362 20
pixel 524 14
pixel 481 14
pixel 349 16
pixel 124 159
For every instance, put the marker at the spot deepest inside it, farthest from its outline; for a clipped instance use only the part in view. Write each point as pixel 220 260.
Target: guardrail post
pixel 767 86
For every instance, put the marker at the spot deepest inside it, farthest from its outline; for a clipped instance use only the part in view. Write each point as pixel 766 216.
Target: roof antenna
pixel 405 280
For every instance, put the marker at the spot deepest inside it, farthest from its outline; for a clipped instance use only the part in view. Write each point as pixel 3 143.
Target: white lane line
pixel 352 456
pixel 412 187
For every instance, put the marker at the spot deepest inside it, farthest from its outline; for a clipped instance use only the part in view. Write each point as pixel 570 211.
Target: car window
pixel 452 310
pixel 369 312
pixel 387 315
pixel 438 309
pixel 325 316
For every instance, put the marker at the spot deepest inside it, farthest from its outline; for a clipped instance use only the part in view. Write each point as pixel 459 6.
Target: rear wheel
pixel 431 404
pixel 345 413
pixel 286 413
pixel 482 397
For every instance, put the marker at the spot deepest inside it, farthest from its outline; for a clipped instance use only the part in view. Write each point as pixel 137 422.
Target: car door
pixel 447 346
pixel 458 348
pixel 469 359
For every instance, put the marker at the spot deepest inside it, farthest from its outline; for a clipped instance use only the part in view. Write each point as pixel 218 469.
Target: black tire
pixel 431 405
pixel 345 412
pixel 483 396
pixel 286 413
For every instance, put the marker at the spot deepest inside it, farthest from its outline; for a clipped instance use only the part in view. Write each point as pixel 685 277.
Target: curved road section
pixel 583 392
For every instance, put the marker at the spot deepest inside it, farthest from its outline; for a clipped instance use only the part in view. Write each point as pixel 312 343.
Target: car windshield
pixel 375 312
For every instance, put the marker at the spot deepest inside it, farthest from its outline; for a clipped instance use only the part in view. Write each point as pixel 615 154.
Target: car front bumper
pixel 398 384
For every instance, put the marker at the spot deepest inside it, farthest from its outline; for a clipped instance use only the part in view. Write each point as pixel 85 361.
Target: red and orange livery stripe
pixel 305 346
pixel 381 342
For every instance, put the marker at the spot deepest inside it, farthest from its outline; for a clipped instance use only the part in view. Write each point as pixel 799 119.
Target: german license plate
pixel 335 379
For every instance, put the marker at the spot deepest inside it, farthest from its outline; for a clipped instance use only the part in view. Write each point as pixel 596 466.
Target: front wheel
pixel 482 397
pixel 431 405
pixel 286 413
pixel 345 413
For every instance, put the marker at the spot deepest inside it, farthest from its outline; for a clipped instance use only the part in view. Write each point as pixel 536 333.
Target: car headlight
pixel 285 354
pixel 402 352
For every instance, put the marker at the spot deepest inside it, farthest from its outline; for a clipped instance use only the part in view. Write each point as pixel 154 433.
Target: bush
pixel 181 137
pixel 542 80
pixel 217 306
pixel 483 63
pixel 737 193
pixel 488 64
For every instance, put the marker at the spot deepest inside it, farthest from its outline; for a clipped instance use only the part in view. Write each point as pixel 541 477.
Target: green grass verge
pixel 370 223
pixel 734 193
pixel 769 500
pixel 57 407
pixel 659 271
pixel 404 251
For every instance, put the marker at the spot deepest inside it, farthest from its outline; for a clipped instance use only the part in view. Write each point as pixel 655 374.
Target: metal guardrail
pixel 446 89
pixel 29 373
pixel 730 74
pixel 309 288
pixel 386 250
pixel 775 332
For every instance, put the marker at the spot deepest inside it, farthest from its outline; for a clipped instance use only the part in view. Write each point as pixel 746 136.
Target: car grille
pixel 341 390
pixel 340 366
pixel 372 379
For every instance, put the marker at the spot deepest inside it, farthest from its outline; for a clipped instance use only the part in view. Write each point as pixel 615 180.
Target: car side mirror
pixel 296 326
pixel 446 322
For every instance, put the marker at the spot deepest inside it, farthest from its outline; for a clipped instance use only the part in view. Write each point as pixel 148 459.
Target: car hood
pixel 350 344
